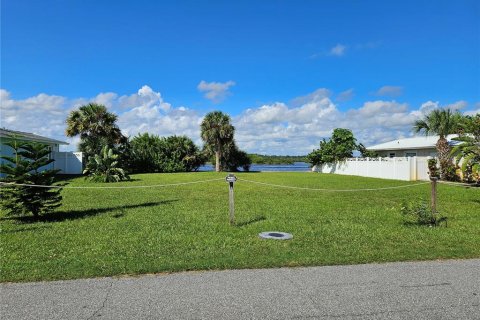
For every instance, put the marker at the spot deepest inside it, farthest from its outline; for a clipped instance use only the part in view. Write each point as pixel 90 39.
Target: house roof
pixel 422 142
pixel 6 133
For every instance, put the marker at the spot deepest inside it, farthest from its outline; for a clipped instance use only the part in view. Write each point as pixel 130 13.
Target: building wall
pixel 8 151
pixel 427 152
pixel 67 162
pixel 398 168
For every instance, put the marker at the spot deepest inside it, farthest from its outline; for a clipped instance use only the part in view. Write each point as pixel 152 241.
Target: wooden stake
pixel 231 179
pixel 434 194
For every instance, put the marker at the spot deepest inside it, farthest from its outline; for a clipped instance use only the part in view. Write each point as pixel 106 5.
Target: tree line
pixel 101 138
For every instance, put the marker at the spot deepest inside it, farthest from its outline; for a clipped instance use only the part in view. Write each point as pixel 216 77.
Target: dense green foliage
pixel 150 153
pixel 468 152
pixel 217 134
pixel 365 153
pixel 441 122
pixel 96 126
pixel 26 167
pixel 233 158
pixel 267 159
pixel 339 147
pixel 99 232
pixel 104 167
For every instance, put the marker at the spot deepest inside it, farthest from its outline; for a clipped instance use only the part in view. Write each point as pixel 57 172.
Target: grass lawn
pixel 134 231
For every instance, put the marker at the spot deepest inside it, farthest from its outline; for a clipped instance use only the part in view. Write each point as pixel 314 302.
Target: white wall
pixel 408 169
pixel 68 162
pixel 427 152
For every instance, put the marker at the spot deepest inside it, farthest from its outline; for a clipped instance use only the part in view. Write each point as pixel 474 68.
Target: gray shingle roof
pixel 28 136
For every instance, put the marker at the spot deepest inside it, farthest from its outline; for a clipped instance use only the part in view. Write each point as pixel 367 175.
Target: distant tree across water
pixel 266 159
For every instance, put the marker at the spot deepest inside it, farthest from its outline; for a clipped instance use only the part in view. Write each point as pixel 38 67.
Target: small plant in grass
pixel 103 167
pixel 24 167
pixel 418 212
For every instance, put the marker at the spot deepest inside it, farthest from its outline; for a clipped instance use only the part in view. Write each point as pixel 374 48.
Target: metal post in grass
pixel 231 179
pixel 434 194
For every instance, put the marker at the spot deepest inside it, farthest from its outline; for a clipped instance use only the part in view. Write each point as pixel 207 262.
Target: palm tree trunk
pixel 217 160
pixel 443 149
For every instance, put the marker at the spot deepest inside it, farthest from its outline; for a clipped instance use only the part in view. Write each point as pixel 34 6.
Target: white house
pixel 402 159
pixel 67 162
pixel 422 146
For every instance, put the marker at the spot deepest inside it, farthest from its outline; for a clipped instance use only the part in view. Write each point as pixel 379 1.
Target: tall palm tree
pixel 96 126
pixel 216 132
pixel 440 122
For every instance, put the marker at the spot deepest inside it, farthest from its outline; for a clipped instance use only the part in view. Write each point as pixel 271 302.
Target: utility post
pixel 231 178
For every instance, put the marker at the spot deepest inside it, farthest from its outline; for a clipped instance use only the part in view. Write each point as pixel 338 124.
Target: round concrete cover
pixel 275 235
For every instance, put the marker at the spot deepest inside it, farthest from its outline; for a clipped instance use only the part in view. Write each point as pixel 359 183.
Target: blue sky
pixel 253 59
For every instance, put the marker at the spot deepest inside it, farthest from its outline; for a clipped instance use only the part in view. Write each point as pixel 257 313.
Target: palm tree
pixel 468 151
pixel 96 126
pixel 216 132
pixel 441 122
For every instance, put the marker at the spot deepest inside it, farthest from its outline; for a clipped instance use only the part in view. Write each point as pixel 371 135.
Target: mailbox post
pixel 231 179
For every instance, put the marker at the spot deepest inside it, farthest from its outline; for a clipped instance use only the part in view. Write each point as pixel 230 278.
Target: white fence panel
pixel 408 169
pixel 422 168
pixel 68 162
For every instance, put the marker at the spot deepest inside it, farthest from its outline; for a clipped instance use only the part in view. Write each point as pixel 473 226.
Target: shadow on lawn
pixel 59 216
pixel 253 220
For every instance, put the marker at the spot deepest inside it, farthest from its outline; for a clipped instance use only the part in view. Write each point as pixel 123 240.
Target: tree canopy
pixel 217 132
pixel 96 126
pixel 339 147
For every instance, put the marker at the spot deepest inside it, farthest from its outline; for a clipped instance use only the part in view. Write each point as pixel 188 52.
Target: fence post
pixel 434 194
pixel 231 179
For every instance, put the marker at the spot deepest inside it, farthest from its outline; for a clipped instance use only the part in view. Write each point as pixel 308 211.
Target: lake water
pixel 297 166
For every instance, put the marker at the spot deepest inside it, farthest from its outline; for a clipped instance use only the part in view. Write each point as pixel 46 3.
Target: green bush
pixel 25 168
pixel 150 153
pixel 418 212
pixel 103 167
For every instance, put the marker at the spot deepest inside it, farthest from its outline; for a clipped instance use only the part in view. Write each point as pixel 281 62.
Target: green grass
pixel 135 231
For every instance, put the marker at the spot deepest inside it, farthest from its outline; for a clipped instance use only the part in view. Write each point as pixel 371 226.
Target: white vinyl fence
pixel 68 162
pixel 408 169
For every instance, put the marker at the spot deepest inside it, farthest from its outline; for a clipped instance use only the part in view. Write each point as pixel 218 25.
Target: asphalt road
pixel 411 290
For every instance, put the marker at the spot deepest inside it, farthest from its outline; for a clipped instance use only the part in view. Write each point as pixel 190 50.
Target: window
pixel 410 154
pixel 392 154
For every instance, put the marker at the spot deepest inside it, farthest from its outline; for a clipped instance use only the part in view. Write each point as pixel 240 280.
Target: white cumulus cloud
pixel 215 91
pixel 294 127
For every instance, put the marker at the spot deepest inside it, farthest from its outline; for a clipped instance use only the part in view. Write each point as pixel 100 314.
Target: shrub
pixel 450 172
pixel 103 167
pixel 418 212
pixel 25 168
pixel 151 153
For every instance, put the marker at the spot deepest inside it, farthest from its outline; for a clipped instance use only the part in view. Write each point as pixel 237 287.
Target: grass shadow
pixel 253 220
pixel 59 216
